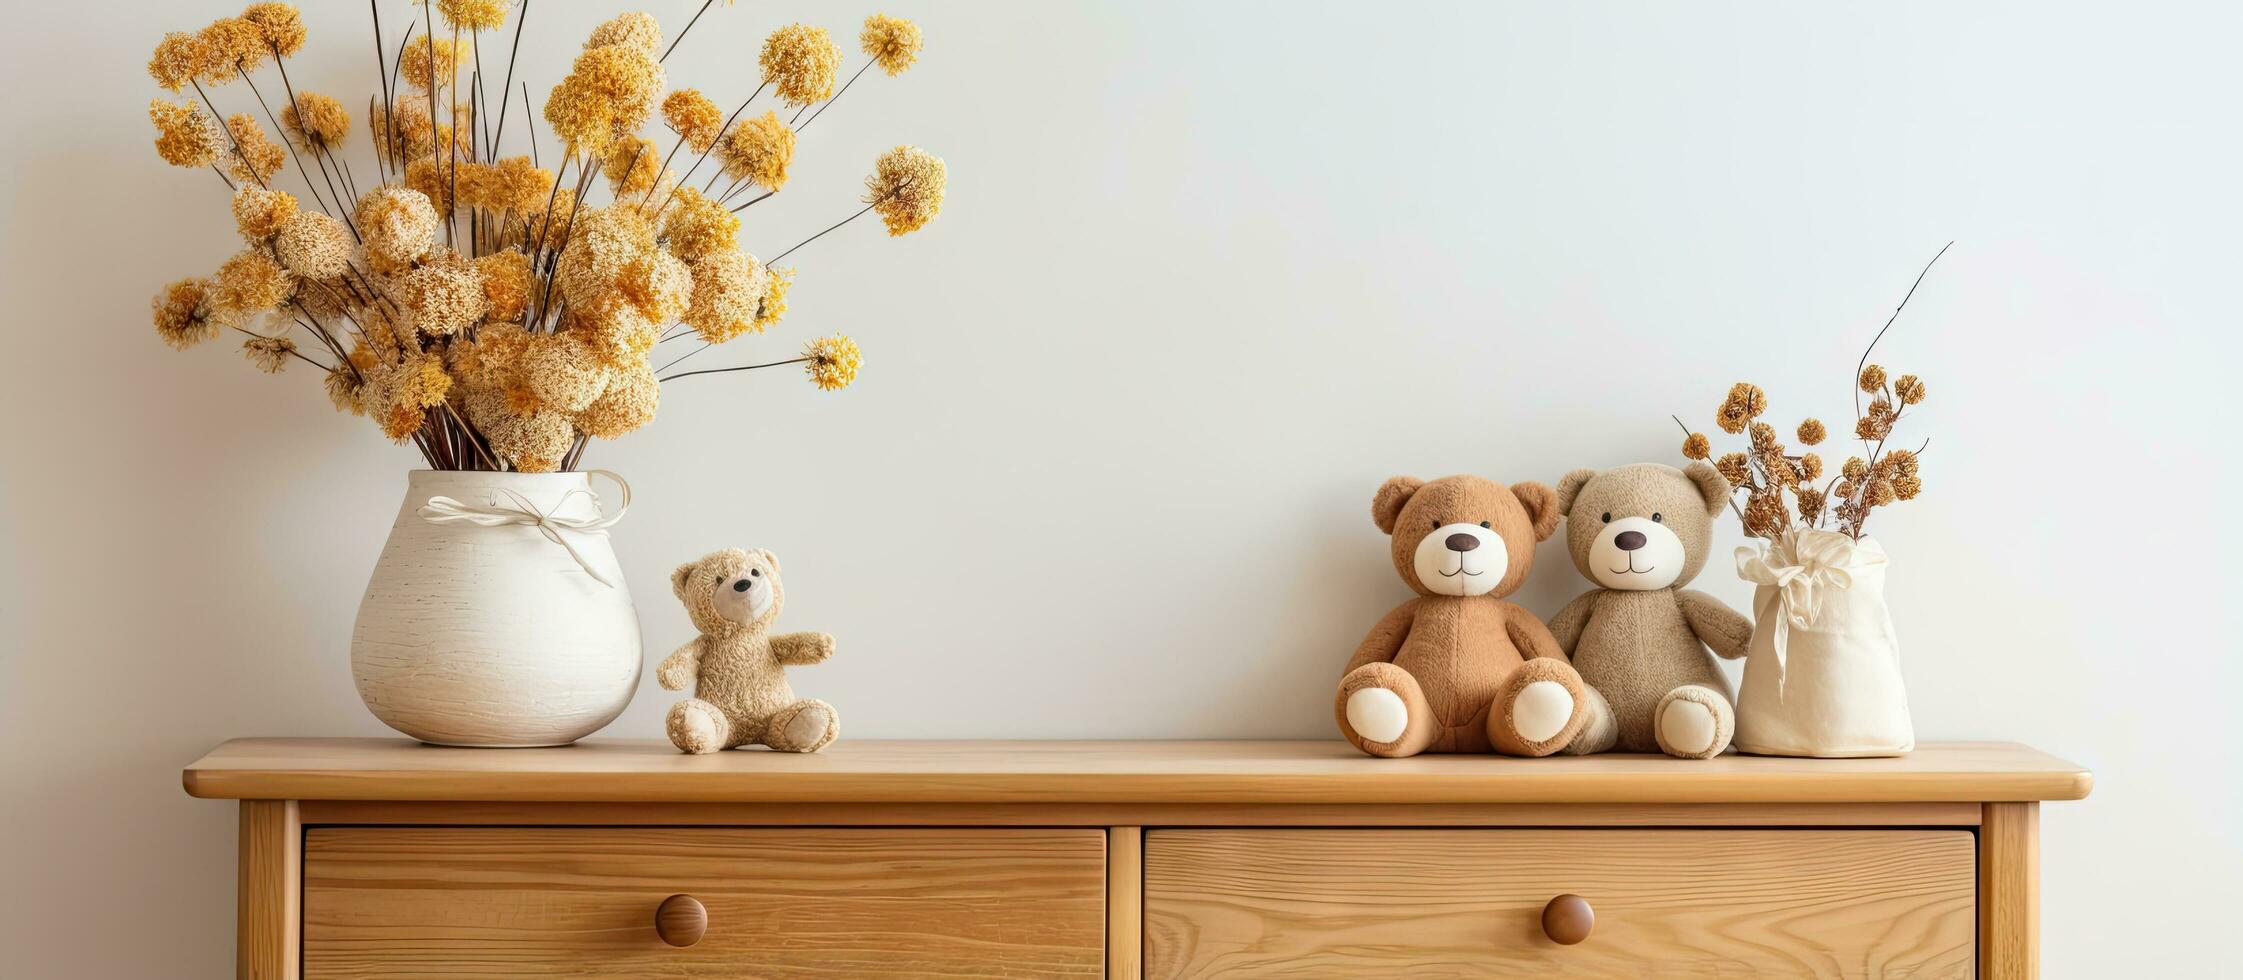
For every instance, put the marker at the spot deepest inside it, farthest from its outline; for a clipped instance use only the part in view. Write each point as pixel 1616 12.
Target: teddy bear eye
pixel 1484 524
pixel 1608 517
pixel 757 572
pixel 1656 519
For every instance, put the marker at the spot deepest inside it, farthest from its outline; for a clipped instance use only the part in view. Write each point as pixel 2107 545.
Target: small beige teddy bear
pixel 737 666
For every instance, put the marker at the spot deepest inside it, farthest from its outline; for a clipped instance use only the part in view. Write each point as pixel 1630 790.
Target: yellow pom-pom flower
pixel 891 42
pixel 260 213
pixel 426 61
pixel 833 362
pixel 692 116
pixel 473 15
pixel 279 24
pixel 315 122
pixel 313 245
pixel 184 314
pixel 799 62
pixel 255 158
pixel 758 151
pixel 179 59
pixel 185 135
pixel 906 187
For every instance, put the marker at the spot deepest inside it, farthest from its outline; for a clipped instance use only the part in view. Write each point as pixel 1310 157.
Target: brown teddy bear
pixel 1458 669
pixel 736 666
pixel 1640 641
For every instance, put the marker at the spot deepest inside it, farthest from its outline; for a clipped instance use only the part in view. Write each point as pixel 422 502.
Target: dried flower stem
pixel 728 370
pixel 822 105
pixel 682 31
pixel 1865 352
pixel 389 112
pixel 751 202
pixel 382 78
pixel 507 90
pixel 527 119
pixel 775 259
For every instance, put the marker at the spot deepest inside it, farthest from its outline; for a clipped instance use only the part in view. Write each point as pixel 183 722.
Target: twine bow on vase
pixel 1803 566
pixel 446 510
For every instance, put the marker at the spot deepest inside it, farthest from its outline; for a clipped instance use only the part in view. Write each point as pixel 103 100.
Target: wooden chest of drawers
pixel 382 858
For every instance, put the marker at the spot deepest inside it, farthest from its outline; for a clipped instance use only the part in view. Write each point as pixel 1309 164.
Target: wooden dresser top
pixel 1288 772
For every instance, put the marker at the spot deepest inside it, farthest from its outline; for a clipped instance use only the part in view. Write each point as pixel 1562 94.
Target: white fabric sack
pixel 1822 675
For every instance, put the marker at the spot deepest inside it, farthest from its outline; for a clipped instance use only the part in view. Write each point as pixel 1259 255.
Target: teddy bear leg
pixel 1694 722
pixel 698 727
pixel 804 726
pixel 1539 709
pixel 1601 732
pixel 1382 711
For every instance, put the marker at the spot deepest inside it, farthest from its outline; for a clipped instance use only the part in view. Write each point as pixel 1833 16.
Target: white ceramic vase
pixel 496 636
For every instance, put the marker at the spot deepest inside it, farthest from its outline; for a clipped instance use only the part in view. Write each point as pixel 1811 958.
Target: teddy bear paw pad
pixel 1687 727
pixel 1377 714
pixel 807 726
pixel 1541 711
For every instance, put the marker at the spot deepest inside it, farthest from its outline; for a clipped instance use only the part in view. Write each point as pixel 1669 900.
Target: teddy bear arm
pixel 1567 625
pixel 1384 641
pixel 1723 630
pixel 681 668
pixel 801 649
pixel 1529 635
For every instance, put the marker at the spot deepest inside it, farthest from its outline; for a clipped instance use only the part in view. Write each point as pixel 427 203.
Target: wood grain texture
pixel 2009 885
pixel 1125 903
pixel 1151 814
pixel 581 902
pixel 269 870
pixel 1668 903
pixel 1300 773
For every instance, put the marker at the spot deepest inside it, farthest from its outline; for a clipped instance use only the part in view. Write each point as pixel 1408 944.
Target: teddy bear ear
pixel 769 559
pixel 678 578
pixel 1711 485
pixel 1569 487
pixel 1541 505
pixel 1386 507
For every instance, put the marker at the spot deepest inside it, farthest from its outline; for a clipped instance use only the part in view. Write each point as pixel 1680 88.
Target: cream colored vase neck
pixel 495 636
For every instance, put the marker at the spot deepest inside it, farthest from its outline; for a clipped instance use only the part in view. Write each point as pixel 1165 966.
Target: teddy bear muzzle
pixel 743 598
pixel 1636 554
pixel 1461 560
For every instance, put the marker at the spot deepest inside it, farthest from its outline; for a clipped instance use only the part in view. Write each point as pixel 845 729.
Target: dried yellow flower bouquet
pixel 1767 469
pixel 478 304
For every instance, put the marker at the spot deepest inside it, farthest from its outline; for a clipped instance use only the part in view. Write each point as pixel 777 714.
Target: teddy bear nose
pixel 744 585
pixel 1461 541
pixel 1629 540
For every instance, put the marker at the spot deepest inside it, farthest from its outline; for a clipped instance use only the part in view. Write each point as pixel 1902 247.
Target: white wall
pixel 1208 273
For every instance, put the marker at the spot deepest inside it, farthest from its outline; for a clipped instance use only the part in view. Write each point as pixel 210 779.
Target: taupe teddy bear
pixel 1640 641
pixel 736 666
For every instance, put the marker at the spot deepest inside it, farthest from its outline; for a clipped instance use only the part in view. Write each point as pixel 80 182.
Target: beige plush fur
pixel 1457 663
pixel 736 666
pixel 1644 649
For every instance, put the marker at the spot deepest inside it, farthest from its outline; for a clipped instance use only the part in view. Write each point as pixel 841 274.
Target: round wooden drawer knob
pixel 681 921
pixel 1568 919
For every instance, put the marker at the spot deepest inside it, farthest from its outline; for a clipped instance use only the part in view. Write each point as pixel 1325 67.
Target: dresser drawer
pixel 557 901
pixel 1667 903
